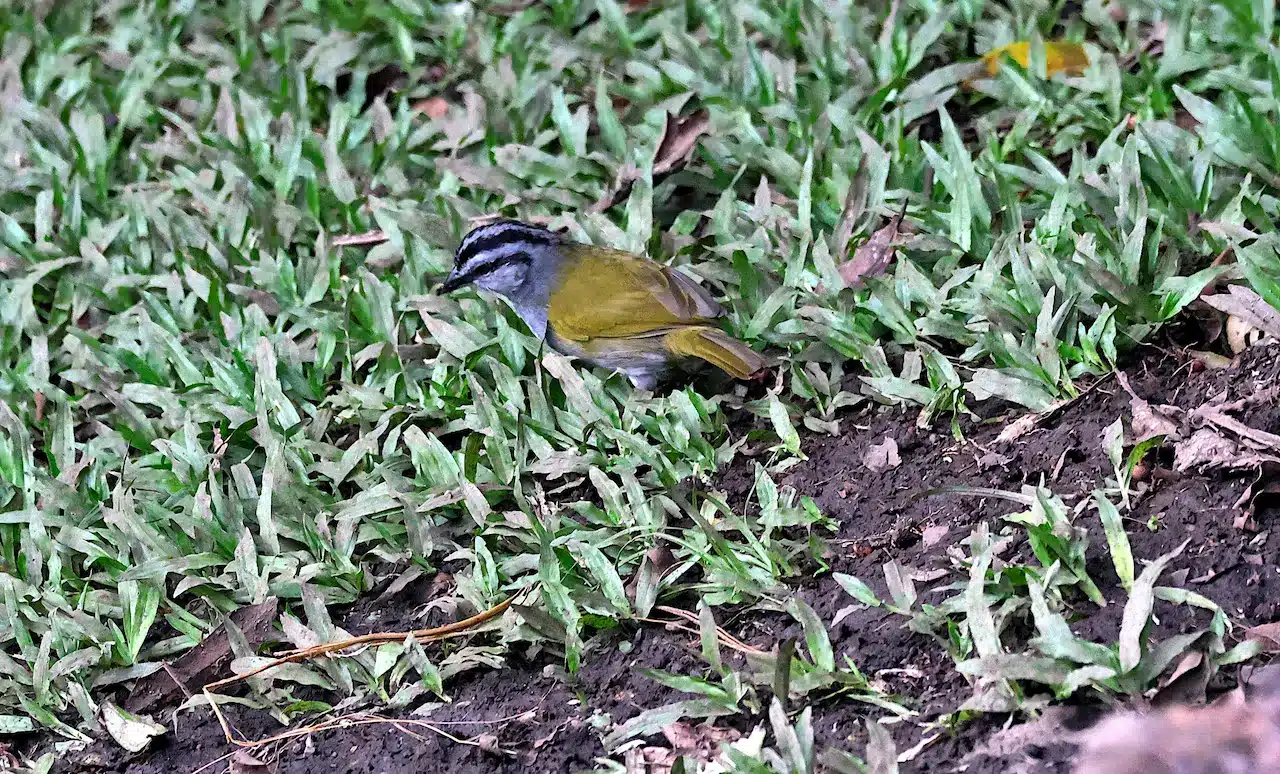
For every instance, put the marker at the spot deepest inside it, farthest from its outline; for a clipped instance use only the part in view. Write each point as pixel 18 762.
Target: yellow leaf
pixel 1059 56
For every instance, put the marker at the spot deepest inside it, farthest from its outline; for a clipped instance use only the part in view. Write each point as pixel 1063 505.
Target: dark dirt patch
pixel 529 708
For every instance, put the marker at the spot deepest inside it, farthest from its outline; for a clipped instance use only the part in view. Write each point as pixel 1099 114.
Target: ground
pixel 530 716
pixel 1013 264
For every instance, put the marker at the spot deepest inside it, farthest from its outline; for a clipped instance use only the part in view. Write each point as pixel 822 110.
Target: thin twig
pixel 725 637
pixel 367 238
pixel 456 629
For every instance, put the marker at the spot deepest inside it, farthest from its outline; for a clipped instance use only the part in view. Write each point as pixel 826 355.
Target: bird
pixel 608 307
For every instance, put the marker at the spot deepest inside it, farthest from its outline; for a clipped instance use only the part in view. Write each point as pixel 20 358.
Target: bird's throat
pixel 533 311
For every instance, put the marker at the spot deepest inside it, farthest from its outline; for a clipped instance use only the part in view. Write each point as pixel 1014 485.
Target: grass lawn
pixel 229 392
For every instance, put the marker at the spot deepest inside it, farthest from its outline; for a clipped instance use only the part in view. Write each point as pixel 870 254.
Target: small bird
pixel 608 307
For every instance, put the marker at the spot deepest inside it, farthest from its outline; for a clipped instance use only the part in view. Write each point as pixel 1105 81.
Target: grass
pixel 207 399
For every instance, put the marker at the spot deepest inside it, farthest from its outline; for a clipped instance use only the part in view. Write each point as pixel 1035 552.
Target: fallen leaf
pixel 873 256
pixel 703 740
pixel 1187 682
pixel 749 746
pixel 434 108
pixel 1018 428
pixel 679 138
pixel 993 460
pixel 1149 421
pixel 1204 449
pixel 204 663
pixel 650 759
pixel 621 188
pixel 932 535
pixel 1268 635
pixel 678 141
pixel 264 300
pixel 855 204
pixel 1259 438
pixel 1243 303
pixel 132 732
pixel 1059 57
pixel 1210 360
pixel 224 118
pixel 244 763
pixel 882 456
pixel 882 753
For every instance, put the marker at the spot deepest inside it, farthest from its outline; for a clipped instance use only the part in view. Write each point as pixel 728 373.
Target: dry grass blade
pixel 725 638
pixel 367 238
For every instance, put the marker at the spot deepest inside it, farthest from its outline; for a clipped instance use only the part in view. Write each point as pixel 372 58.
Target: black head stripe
pixel 490 237
pixel 516 258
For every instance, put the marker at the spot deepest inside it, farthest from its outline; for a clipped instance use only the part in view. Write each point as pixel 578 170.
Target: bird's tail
pixel 717 348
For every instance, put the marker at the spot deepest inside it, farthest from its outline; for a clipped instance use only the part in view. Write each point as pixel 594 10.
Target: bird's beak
pixel 452 282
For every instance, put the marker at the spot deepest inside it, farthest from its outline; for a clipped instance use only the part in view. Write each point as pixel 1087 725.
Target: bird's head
pixel 497 257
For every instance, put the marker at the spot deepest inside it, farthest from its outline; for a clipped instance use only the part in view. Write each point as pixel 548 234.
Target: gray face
pixel 514 260
pixel 498 257
pixel 505 277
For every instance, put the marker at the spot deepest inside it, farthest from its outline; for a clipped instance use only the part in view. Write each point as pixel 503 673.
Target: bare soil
pixel 529 717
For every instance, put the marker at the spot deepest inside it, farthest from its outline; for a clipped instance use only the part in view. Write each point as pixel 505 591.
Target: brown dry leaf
pixel 660 559
pixel 1018 428
pixel 678 141
pixel 855 204
pixel 703 740
pixel 1244 304
pixel 932 535
pixel 649 760
pixel 882 456
pixel 1204 449
pixel 1258 438
pixel 679 138
pixel 244 763
pixel 1187 683
pixel 1150 421
pixel 620 190
pixel 1266 634
pixel 1211 360
pixel 874 256
pixel 508 9
pixel 204 663
pixel 264 300
pixel 434 108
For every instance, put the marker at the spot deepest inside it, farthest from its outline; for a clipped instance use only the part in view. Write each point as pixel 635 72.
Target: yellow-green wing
pixel 603 293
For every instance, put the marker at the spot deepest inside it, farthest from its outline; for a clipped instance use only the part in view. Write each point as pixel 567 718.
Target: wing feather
pixel 603 293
